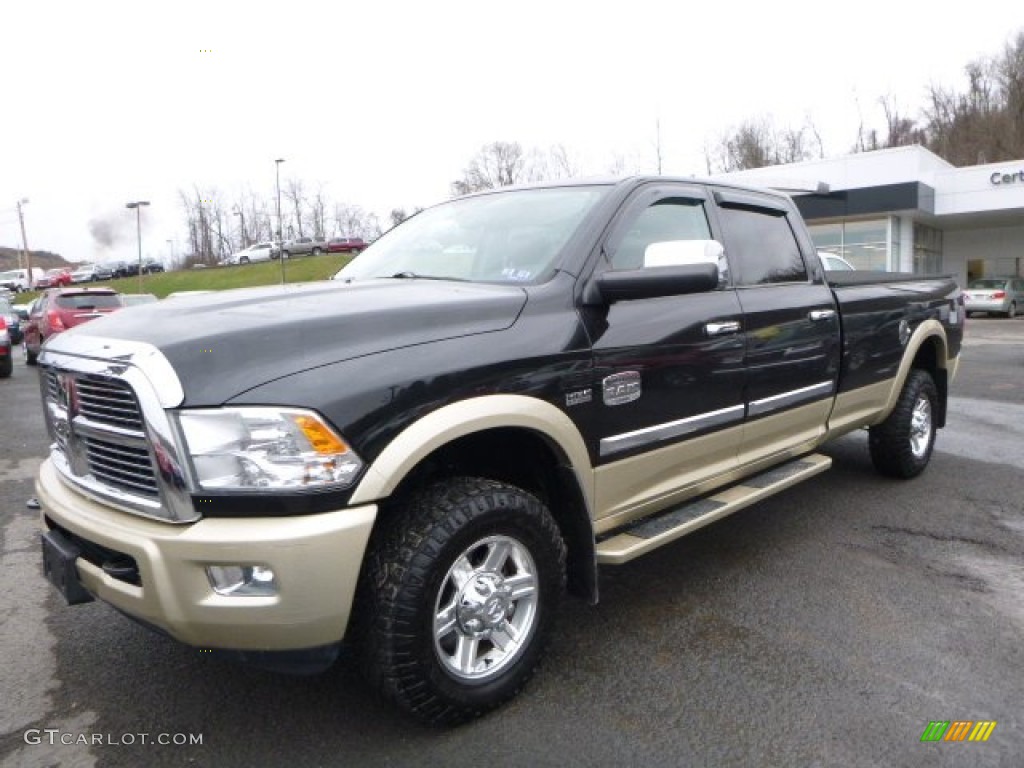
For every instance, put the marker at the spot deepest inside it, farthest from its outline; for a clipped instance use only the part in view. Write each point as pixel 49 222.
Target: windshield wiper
pixel 410 275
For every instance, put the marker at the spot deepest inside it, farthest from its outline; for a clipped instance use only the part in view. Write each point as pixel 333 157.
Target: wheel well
pixel 527 460
pixel 930 357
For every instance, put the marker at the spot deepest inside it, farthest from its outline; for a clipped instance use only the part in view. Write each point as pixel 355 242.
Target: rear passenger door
pixel 791 324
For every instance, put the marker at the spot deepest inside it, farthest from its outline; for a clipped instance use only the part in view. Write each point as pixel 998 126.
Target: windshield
pixel 511 236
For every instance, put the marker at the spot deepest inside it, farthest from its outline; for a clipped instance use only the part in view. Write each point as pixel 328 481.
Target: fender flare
pixel 929 329
pixel 442 426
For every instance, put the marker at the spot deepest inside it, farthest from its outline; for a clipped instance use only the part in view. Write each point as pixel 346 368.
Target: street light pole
pixel 280 225
pixel 137 205
pixel 24 243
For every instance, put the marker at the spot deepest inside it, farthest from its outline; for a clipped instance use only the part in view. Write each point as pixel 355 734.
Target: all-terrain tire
pixel 467 566
pixel 901 446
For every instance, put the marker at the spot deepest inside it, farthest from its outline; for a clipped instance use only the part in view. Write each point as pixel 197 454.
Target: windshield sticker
pixel 512 273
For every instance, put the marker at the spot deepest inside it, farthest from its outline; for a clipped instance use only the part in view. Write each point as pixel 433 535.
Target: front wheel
pixel 461 593
pixel 901 446
pixel 317 251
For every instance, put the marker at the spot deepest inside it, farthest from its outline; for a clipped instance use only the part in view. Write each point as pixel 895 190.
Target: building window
pixel 927 250
pixel 865 244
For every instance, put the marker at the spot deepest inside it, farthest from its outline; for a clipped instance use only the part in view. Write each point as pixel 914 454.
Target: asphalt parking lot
pixel 826 626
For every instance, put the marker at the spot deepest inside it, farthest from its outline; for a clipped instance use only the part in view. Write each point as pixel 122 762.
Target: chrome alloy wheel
pixel 486 609
pixel 921 427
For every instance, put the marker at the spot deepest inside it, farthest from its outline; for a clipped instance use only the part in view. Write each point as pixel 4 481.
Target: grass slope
pixel 297 270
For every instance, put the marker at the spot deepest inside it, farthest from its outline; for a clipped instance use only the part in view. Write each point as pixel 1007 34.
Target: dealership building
pixel 908 210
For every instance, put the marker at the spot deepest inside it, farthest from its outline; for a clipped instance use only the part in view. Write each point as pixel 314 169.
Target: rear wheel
pixel 243 259
pixel 1012 311
pixel 6 367
pixel 460 596
pixel 30 356
pixel 317 251
pixel 286 254
pixel 901 446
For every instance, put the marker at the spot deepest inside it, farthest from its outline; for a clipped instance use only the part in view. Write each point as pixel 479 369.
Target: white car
pixel 833 263
pixel 255 252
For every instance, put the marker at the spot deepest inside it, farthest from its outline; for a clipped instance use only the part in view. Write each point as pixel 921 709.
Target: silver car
pixel 1001 295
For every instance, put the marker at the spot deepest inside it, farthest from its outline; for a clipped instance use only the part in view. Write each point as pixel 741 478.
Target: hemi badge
pixel 579 397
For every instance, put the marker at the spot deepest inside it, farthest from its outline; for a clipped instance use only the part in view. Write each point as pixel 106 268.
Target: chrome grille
pixel 123 466
pixel 107 404
pixel 108 426
pixel 106 401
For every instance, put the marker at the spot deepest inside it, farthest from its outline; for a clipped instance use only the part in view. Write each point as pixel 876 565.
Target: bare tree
pixel 294 192
pixel 397 216
pixel 757 143
pixel 318 213
pixel 499 164
pixel 353 221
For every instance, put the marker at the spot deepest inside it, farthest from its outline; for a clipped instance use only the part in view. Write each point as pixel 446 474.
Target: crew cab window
pixel 667 220
pixel 761 246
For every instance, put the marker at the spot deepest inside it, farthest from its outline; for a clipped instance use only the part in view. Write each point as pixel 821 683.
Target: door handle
pixel 721 329
pixel 817 315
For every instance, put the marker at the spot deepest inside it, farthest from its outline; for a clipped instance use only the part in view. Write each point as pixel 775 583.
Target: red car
pixel 54 278
pixel 351 245
pixel 61 308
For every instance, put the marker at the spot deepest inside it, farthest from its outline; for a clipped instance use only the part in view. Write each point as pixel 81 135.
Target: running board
pixel 641 537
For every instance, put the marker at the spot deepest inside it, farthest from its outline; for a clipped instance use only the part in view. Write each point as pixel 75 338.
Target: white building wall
pixel 1001 247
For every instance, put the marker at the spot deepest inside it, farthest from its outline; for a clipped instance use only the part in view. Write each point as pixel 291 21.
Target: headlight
pixel 272 448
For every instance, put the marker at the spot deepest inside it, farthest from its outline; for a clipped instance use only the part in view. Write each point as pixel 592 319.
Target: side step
pixel 641 537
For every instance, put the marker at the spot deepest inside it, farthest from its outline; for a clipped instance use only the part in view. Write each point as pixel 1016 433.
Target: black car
pixel 150 266
pixel 123 268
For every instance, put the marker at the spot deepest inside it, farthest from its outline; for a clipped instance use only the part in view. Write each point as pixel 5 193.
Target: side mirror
pixel 654 282
pixel 681 252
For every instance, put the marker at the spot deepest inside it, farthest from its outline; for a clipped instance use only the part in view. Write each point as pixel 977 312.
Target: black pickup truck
pixel 497 396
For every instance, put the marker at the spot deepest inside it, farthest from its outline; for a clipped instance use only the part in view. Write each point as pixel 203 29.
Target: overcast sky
pixel 384 103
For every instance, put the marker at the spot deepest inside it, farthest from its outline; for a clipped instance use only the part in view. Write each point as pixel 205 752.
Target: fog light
pixel 242 580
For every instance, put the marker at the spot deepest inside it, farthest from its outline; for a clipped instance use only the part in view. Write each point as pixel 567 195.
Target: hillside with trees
pixel 980 122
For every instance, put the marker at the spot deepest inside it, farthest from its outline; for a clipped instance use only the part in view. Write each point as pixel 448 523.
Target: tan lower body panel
pixel 651 481
pixel 315 558
pixel 654 533
pixel 858 408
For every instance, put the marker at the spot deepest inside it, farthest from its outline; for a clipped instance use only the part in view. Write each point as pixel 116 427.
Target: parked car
pixel 6 350
pixel 150 266
pixel 18 280
pixel 299 246
pixel 135 299
pixel 1000 295
pixel 264 251
pixel 351 245
pixel 12 320
pixel 54 278
pixel 123 268
pixel 61 308
pixel 92 273
pixel 833 263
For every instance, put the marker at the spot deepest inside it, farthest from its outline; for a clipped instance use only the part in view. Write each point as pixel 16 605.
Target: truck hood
pixel 223 344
